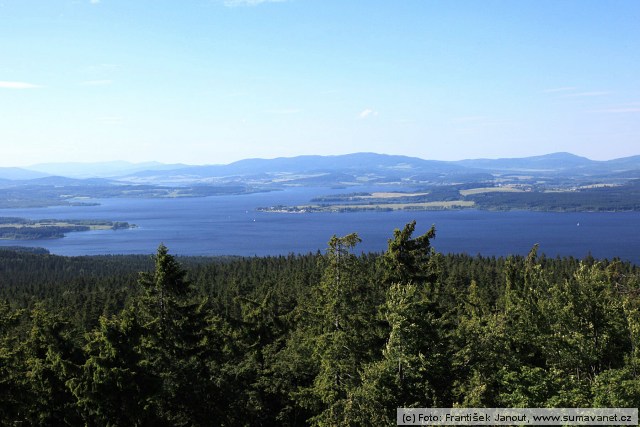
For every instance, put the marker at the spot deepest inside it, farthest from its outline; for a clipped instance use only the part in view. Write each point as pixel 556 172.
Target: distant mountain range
pixel 363 167
pixel 99 169
pixel 347 167
pixel 559 181
pixel 555 162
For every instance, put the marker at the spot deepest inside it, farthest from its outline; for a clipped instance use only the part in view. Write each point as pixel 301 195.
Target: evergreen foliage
pixel 320 339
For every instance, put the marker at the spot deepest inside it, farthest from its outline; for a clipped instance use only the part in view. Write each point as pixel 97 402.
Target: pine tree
pixel 12 387
pixel 412 360
pixel 406 258
pixel 342 314
pixel 114 387
pixel 410 372
pixel 50 361
pixel 179 347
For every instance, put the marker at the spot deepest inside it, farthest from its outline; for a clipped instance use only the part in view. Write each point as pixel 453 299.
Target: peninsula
pixel 12 228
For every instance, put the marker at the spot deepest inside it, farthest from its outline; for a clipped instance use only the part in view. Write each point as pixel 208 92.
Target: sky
pixel 215 81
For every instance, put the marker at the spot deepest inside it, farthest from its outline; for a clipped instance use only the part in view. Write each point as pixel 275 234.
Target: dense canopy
pixel 339 338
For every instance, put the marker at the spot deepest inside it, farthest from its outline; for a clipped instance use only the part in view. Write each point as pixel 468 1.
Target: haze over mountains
pixel 99 169
pixel 334 169
pixel 558 181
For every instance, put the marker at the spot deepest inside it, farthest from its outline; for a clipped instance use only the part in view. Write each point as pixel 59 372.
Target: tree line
pixel 334 338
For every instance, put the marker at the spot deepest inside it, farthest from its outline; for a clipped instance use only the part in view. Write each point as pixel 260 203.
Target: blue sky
pixel 216 81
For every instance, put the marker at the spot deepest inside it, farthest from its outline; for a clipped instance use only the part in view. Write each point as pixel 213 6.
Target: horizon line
pixel 139 163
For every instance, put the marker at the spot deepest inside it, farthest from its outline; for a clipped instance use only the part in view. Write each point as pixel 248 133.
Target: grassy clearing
pixel 390 195
pixel 599 186
pixel 472 191
pixel 452 204
pixel 37 224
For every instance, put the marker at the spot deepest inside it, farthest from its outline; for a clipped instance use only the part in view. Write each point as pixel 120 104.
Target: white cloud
pixel 94 1
pixel 234 3
pixel 17 85
pixel 368 112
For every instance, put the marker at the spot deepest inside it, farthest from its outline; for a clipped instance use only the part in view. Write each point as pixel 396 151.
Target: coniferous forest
pixel 333 338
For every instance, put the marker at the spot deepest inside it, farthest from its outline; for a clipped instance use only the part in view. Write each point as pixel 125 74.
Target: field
pixel 24 229
pixel 454 204
pixel 481 190
pixel 357 207
pixel 45 223
pixel 389 195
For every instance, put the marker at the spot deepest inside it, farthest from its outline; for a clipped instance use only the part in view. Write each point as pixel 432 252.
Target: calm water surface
pixel 230 225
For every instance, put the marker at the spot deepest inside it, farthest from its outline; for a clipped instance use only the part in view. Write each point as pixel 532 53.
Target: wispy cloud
pixel 367 112
pixel 96 82
pixel 236 3
pixel 94 1
pixel 18 85
pixel 633 107
pixel 574 92
pixel 586 94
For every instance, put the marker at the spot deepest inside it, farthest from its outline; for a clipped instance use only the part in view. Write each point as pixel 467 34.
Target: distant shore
pixel 12 228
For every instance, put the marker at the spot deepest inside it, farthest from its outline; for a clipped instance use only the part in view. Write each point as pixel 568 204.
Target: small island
pixel 12 228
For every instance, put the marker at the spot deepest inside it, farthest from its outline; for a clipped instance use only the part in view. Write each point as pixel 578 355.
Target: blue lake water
pixel 230 225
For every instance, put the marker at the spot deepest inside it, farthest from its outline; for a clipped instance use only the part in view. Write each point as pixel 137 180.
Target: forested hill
pixel 321 339
pixel 559 181
pixel 375 166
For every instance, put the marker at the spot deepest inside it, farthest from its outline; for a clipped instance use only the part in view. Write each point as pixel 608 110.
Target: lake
pixel 230 225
